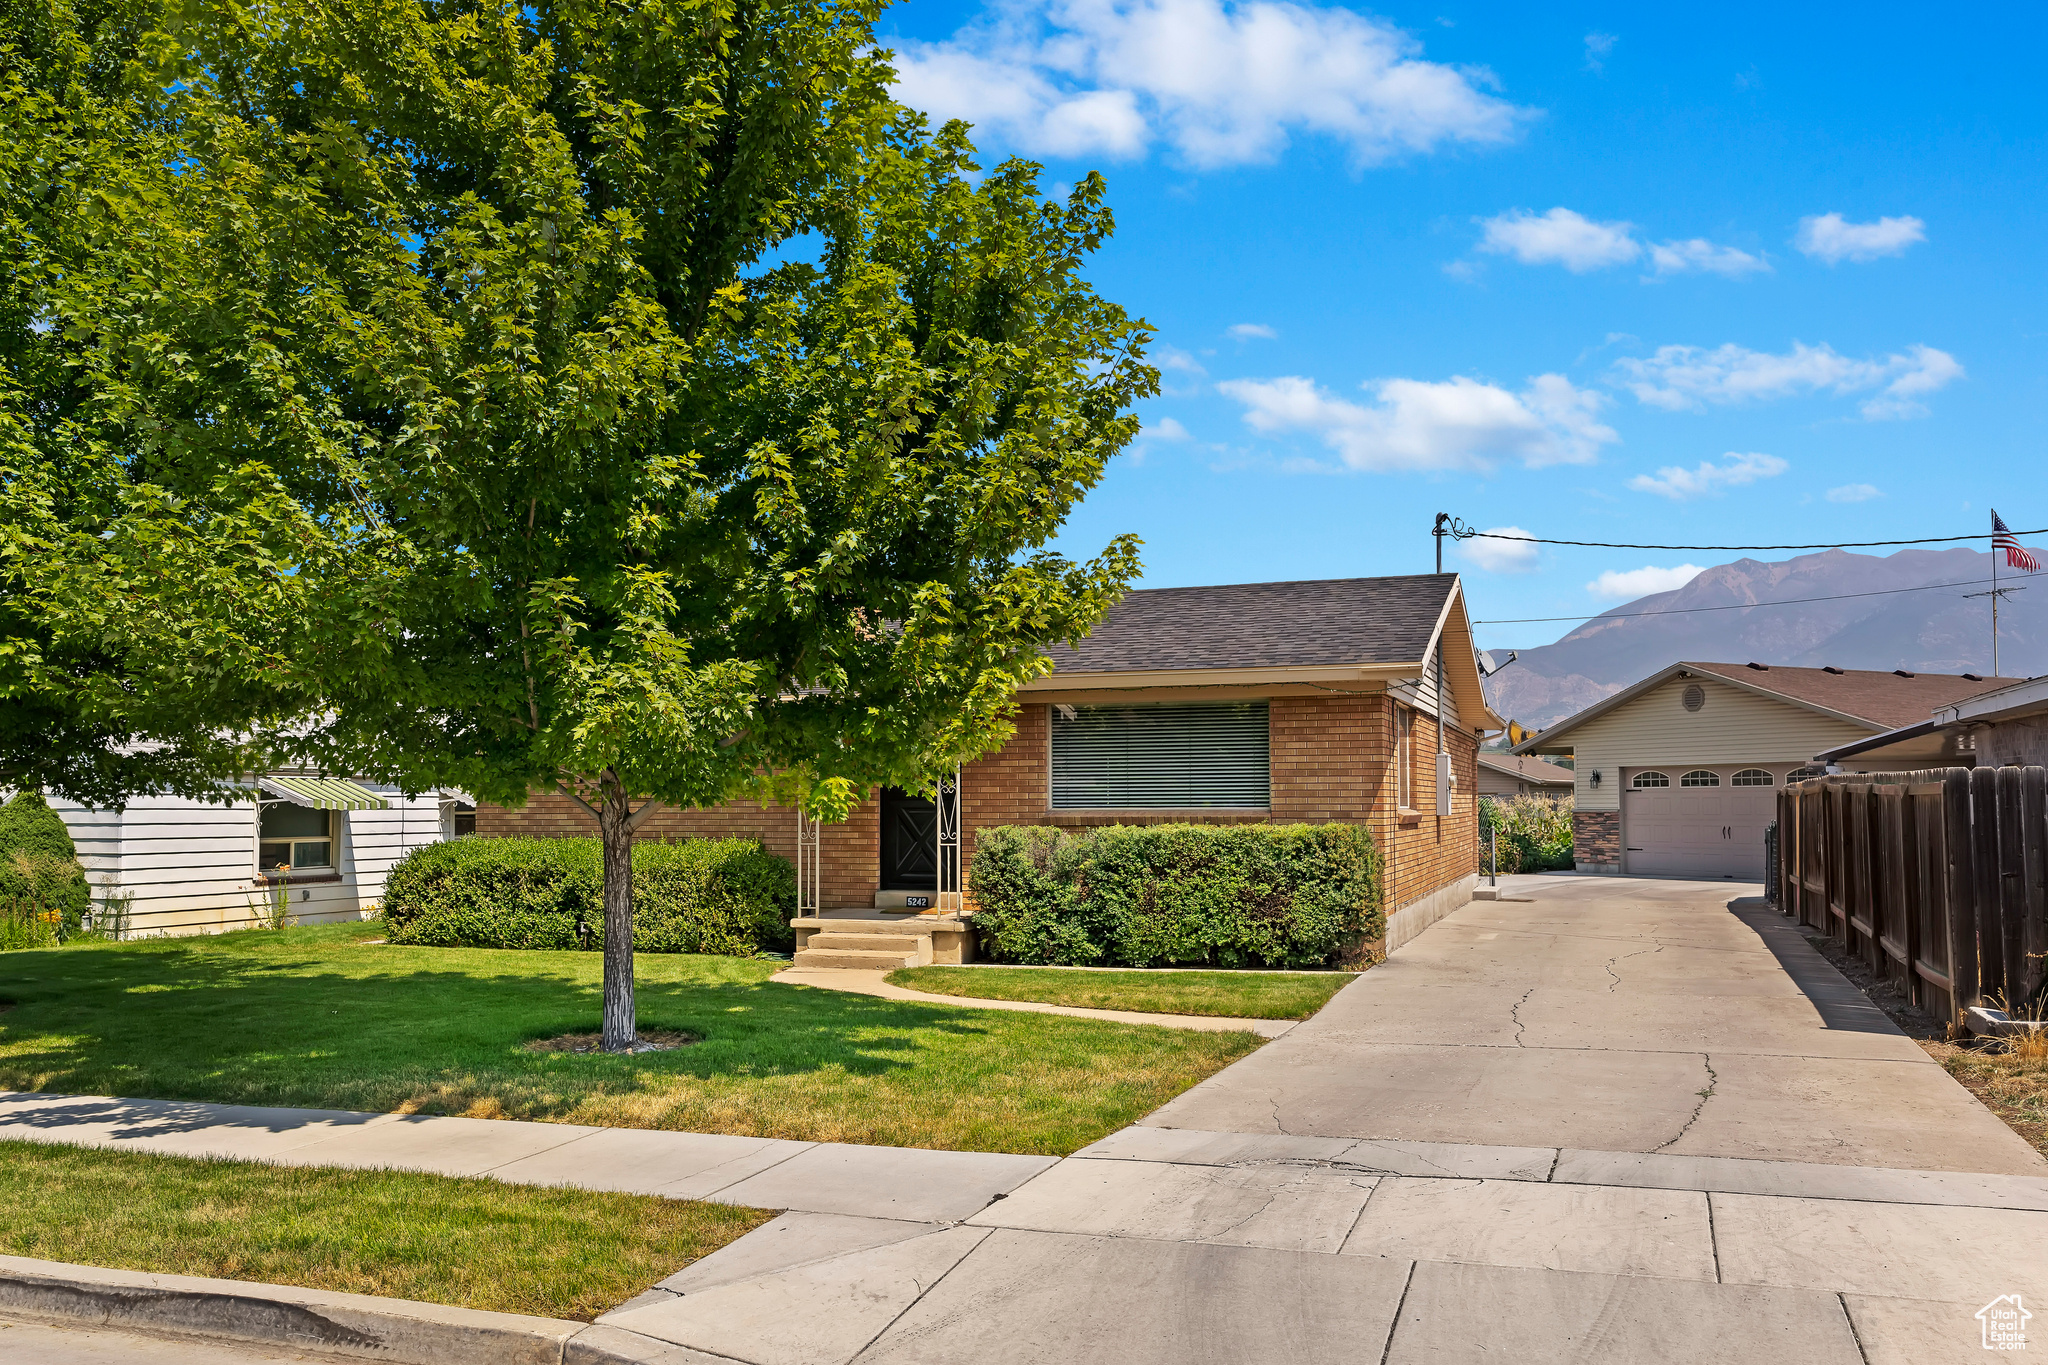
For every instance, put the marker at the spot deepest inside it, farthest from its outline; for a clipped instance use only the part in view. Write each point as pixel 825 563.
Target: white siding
pixel 192 866
pixel 1421 693
pixel 1734 727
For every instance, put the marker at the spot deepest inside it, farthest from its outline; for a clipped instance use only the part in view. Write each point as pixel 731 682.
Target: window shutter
pixel 1162 757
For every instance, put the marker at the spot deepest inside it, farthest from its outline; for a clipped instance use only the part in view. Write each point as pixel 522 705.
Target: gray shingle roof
pixel 1318 623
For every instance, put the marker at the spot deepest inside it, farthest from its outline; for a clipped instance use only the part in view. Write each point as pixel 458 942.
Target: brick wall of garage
pixel 1331 760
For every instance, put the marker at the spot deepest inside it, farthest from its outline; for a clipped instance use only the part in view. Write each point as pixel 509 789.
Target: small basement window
pixel 1751 777
pixel 294 839
pixel 1166 756
pixel 1700 777
pixel 1649 780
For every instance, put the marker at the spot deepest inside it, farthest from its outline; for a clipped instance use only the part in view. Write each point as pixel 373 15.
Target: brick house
pixel 1266 702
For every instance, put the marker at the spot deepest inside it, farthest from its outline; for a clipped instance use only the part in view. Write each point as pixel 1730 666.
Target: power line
pixel 1458 530
pixel 1735 606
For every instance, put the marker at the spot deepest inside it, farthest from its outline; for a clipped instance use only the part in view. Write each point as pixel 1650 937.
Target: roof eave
pixel 1627 694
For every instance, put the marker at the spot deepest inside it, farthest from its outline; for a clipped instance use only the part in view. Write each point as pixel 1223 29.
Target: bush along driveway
pixel 316 1018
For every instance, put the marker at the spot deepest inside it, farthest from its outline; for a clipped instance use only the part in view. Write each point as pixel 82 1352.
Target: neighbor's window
pixel 1700 777
pixel 1650 780
pixel 294 839
pixel 1404 757
pixel 1169 756
pixel 464 819
pixel 1751 777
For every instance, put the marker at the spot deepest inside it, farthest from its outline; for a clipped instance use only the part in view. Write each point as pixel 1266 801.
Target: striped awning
pixel 322 793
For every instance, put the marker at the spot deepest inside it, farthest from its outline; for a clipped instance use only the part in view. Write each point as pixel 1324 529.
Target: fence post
pixel 2012 889
pixel 1984 863
pixel 2034 831
pixel 1962 894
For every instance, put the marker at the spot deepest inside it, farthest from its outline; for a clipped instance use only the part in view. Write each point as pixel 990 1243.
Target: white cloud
pixel 1221 83
pixel 1166 429
pixel 1620 585
pixel 1560 237
pixel 1680 378
pixel 1697 253
pixel 1854 492
pixel 1415 424
pixel 1674 481
pixel 1249 331
pixel 1501 556
pixel 1579 244
pixel 1174 358
pixel 1598 45
pixel 1832 238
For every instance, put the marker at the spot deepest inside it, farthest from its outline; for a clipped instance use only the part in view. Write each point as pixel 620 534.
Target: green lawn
pixel 1233 995
pixel 472 1243
pixel 311 1017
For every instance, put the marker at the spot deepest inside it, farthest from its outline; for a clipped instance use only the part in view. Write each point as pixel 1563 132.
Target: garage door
pixel 1697 822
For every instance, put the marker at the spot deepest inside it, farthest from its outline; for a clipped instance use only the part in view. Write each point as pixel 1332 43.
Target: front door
pixel 909 842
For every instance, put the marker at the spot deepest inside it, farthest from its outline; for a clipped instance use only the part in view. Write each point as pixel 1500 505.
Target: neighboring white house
pixel 1512 775
pixel 196 868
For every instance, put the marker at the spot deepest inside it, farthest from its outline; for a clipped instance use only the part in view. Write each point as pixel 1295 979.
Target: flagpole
pixel 1994 599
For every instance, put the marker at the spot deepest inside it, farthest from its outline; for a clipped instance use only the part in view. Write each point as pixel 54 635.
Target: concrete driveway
pixel 1617 1121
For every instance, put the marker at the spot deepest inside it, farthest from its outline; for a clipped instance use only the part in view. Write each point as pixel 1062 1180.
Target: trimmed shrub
pixel 728 896
pixel 1147 895
pixel 40 874
pixel 1531 833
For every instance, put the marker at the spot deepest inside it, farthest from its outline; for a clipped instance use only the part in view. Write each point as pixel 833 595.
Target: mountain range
pixel 1726 614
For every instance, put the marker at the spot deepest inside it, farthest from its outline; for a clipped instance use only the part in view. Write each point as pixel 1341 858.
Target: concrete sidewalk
pixel 877 984
pixel 1616 1123
pixel 815 1177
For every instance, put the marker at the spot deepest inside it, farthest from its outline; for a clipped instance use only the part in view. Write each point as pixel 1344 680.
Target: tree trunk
pixel 620 1030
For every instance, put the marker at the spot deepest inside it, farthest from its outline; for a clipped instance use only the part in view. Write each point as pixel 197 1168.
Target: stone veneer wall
pixel 1596 840
pixel 1331 760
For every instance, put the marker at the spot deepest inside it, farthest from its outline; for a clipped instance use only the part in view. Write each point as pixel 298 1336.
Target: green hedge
pixel 39 869
pixel 1533 833
pixel 726 896
pixel 1139 896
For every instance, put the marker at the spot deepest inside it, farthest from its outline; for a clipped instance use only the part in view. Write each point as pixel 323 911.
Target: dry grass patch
pixel 470 1243
pixel 2009 1076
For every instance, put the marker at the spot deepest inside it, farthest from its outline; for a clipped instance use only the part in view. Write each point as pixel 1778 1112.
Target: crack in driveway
pixel 1516 1015
pixel 1705 1095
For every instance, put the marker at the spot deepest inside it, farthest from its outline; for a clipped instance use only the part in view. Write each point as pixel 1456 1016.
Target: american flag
pixel 2017 556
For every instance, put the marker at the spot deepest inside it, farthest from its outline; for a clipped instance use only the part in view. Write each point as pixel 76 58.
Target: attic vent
pixel 1973 677
pixel 1830 668
pixel 1761 668
pixel 1694 697
pixel 1900 672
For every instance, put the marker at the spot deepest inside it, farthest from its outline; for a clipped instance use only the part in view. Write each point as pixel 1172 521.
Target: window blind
pixel 1161 757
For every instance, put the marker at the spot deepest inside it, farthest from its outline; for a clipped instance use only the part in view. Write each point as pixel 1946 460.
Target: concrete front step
pixel 866 962
pixel 866 943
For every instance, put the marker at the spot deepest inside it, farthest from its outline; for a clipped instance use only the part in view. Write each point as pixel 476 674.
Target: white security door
pixel 1696 822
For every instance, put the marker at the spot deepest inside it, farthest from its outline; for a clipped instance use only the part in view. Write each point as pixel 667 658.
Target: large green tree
pixel 682 419
pixel 165 467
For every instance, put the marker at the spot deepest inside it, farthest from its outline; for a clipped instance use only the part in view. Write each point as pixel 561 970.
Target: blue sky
pixel 1764 275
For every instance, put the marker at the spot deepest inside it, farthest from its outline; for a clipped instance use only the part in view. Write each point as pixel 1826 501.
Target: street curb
pixel 360 1326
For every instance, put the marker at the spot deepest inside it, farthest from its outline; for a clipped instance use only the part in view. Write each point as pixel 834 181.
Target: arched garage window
pixel 1751 777
pixel 1700 777
pixel 1650 780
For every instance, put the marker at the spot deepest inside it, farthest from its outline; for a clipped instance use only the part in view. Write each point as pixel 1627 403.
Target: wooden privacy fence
pixel 1938 879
